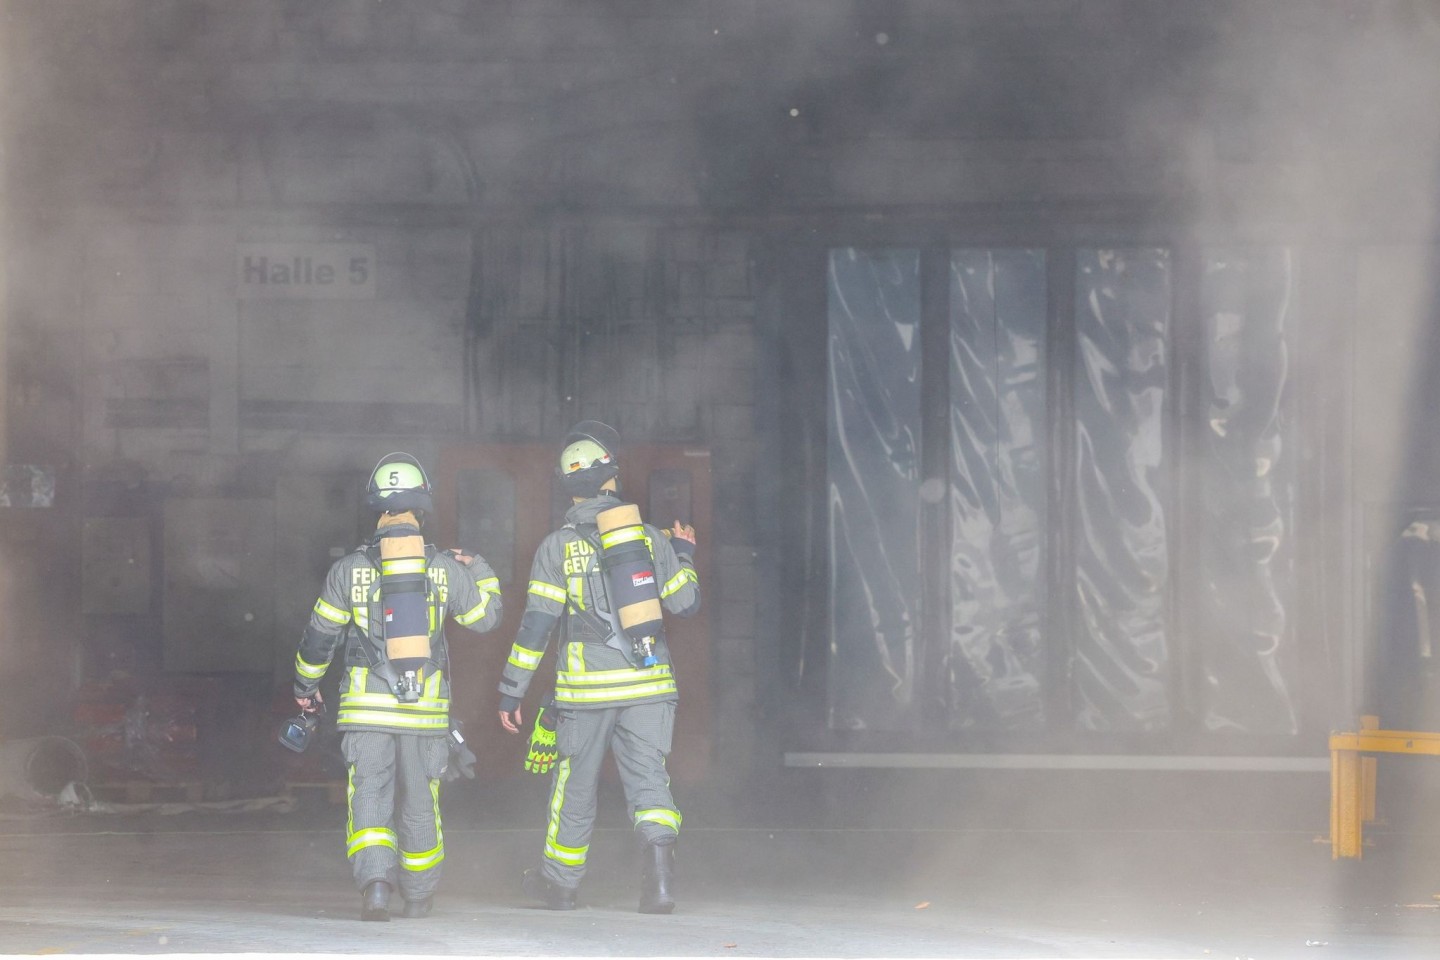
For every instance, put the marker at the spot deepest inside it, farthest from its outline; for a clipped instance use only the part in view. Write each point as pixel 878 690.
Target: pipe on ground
pixel 39 768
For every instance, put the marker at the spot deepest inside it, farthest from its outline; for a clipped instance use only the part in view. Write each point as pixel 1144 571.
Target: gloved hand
pixel 310 702
pixel 543 751
pixel 463 554
pixel 462 759
pixel 682 538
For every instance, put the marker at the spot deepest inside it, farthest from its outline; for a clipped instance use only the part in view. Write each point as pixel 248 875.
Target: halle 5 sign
pixel 305 271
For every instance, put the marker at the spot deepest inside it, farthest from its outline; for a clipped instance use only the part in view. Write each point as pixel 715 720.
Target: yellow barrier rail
pixel 1352 778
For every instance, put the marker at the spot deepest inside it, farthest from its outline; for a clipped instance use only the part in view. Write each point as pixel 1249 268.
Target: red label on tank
pixel 642 578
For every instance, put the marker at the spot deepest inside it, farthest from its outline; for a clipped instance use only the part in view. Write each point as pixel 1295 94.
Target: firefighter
pixel 387 602
pixel 608 692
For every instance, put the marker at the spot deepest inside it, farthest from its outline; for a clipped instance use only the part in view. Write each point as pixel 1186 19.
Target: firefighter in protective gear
pixel 386 604
pixel 606 696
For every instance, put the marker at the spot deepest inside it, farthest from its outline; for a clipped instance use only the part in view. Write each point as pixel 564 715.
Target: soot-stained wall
pixel 251 246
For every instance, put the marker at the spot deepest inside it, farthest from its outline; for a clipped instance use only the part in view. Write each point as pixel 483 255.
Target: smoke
pixel 581 169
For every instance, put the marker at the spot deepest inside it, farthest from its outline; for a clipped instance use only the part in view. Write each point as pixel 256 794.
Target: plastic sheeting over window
pixel 1060 610
pixel 873 486
pixel 1247 480
pixel 1122 568
pixel 997 489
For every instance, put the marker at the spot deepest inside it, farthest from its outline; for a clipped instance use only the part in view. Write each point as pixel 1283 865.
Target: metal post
pixel 1345 805
pixel 1367 773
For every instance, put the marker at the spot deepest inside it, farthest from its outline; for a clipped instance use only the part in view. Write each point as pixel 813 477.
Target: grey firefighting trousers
pixel 640 737
pixel 403 846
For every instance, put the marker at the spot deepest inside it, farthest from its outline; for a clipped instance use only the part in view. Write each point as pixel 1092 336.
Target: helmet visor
pixel 601 433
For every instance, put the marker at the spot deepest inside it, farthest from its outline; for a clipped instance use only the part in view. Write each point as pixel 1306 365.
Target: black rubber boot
pixel 418 909
pixel 657 884
pixel 554 897
pixel 375 901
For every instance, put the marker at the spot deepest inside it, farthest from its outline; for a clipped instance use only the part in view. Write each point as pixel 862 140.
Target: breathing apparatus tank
pixel 629 571
pixel 400 488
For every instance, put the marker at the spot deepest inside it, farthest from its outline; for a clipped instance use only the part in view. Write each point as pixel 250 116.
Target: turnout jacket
pixel 566 586
pixel 349 610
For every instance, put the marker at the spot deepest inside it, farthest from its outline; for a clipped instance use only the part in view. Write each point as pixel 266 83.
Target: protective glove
pixel 462 760
pixel 310 701
pixel 463 555
pixel 543 751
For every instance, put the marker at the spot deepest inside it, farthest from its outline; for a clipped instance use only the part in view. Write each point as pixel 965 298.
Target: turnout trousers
pixel 393 794
pixel 640 737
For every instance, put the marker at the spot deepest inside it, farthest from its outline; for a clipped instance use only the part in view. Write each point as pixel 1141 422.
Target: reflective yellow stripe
pixel 577 591
pixel 572 856
pixel 614 694
pixel 333 614
pixel 686 575
pixel 349 801
pixel 403 720
pixel 624 535
pixel 557 799
pixel 388 701
pixel 525 659
pixel 666 818
pixel 612 676
pixel 310 671
pixel 435 855
pixel 547 590
pixel 432 685
pixel 362 619
pixel 422 861
pixel 577 656
pixel 488 585
pixel 372 837
pixel 475 612
pixel 402 565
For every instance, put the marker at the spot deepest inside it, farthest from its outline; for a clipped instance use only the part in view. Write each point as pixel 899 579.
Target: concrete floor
pixel 842 870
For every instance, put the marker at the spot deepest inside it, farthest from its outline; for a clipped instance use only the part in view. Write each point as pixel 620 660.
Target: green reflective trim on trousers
pixel 557 800
pixel 665 818
pixel 416 862
pixel 349 800
pixel 570 856
pixel 371 837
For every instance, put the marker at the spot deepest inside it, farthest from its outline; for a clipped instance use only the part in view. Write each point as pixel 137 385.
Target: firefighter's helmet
pixel 589 459
pixel 398 483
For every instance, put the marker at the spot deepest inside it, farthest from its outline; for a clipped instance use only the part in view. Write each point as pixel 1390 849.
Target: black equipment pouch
pixel 602 622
